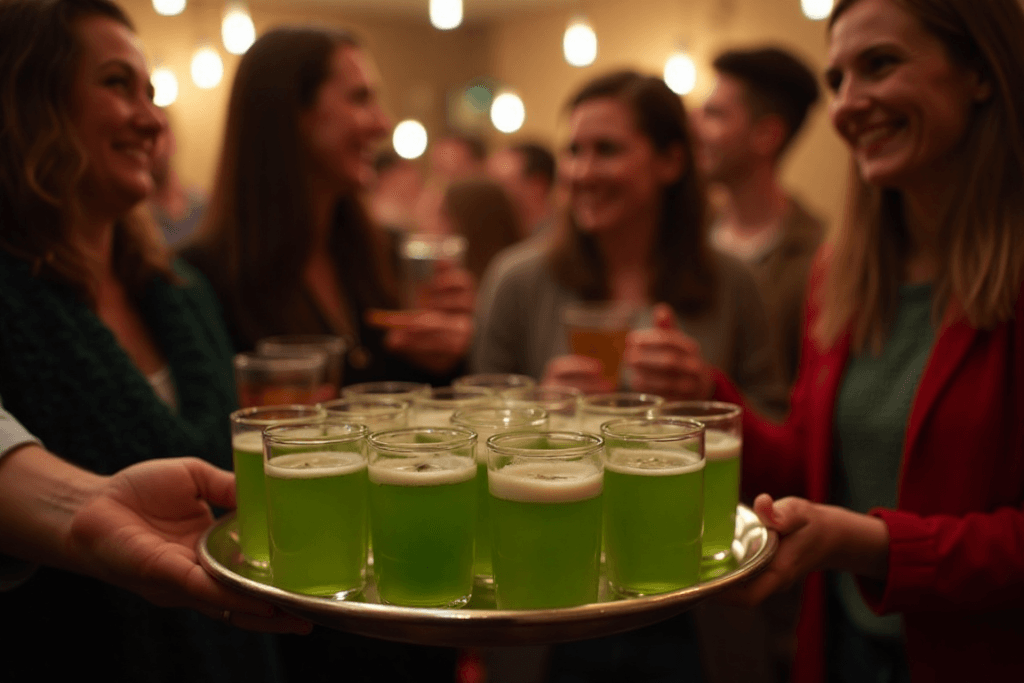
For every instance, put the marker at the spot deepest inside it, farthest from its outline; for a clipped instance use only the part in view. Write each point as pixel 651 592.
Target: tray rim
pixel 437 626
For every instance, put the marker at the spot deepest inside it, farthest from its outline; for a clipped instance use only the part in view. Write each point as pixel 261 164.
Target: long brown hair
pixel 257 232
pixel 481 212
pixel 982 233
pixel 41 161
pixel 683 268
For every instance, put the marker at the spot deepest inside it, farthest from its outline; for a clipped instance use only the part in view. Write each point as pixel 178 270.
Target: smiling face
pixel 615 176
pixel 342 128
pixel 901 104
pixel 114 118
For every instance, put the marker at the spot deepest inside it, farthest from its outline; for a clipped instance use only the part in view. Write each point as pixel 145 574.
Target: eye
pixel 607 148
pixel 879 62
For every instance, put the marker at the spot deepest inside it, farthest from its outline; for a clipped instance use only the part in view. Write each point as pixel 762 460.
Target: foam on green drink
pixel 546 533
pixel 422 518
pixel 721 491
pixel 653 506
pixel 316 516
pixel 250 496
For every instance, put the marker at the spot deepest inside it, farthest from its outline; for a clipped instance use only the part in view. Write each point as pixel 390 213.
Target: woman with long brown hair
pixel 111 354
pixel 286 241
pixel 908 412
pixel 635 234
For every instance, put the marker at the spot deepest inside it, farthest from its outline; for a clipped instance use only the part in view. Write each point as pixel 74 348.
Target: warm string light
pixel 169 8
pixel 445 14
pixel 236 29
pixel 508 112
pixel 681 73
pixel 409 139
pixel 579 44
pixel 165 86
pixel 816 10
pixel 207 68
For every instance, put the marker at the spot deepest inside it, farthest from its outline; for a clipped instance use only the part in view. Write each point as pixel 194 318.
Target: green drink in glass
pixel 247 426
pixel 435 408
pixel 487 422
pixel 723 443
pixel 562 404
pixel 545 518
pixel 423 515
pixel 653 504
pixel 316 507
pixel 596 409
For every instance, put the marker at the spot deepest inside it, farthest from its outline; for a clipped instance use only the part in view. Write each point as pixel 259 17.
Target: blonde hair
pixel 981 236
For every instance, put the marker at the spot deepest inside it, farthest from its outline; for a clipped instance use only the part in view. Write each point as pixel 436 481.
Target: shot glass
pixel 419 255
pixel 435 408
pixel 333 346
pixel 546 496
pixel 397 391
pixel 561 403
pixel 653 504
pixel 316 490
pixel 247 427
pixel 598 330
pixel 377 414
pixel 723 444
pixel 279 380
pixel 597 409
pixel 496 381
pixel 423 515
pixel 487 422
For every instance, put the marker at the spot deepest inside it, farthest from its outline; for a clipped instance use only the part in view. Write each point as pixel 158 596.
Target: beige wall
pixel 419 66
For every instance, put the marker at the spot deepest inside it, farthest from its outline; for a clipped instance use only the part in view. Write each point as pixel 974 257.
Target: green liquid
pixel 546 540
pixel 317 522
pixel 250 496
pixel 423 534
pixel 482 543
pixel 721 491
pixel 652 520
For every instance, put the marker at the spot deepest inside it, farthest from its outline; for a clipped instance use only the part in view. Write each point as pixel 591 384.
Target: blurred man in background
pixel 527 172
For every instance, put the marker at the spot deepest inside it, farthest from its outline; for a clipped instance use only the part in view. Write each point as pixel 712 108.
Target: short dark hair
pixel 538 161
pixel 776 83
pixel 474 144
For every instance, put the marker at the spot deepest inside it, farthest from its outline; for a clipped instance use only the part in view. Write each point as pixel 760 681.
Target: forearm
pixel 860 544
pixel 39 495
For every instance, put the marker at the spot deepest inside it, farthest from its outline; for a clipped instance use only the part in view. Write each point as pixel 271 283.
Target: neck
pixel 94 239
pixel 754 203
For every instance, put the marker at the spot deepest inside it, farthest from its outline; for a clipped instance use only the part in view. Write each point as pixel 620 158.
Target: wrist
pixel 860 544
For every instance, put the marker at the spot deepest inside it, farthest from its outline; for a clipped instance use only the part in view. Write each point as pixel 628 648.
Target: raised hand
pixel 662 360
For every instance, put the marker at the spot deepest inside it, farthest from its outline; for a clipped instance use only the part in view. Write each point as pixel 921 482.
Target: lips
pixel 871 138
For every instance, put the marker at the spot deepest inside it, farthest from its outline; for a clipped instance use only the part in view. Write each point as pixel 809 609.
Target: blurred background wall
pixel 513 44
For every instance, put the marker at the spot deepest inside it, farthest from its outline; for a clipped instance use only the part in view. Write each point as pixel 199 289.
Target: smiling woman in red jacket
pixel 906 436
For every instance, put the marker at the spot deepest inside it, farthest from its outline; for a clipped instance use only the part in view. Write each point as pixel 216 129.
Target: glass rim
pixel 244 416
pixel 386 388
pixel 300 359
pixel 595 443
pixel 463 418
pixel 520 381
pixel 370 401
pixel 644 400
pixel 727 411
pixel 563 392
pixel 461 438
pixel 273 433
pixel 328 342
pixel 688 428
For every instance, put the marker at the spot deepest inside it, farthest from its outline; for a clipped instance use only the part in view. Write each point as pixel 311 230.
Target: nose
pixel 381 121
pixel 149 119
pixel 849 101
pixel 579 168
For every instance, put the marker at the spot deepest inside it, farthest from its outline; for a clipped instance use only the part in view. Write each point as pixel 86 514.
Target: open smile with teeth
pixel 878 134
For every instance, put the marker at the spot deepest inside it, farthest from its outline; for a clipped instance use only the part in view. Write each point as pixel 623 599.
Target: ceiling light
pixel 165 86
pixel 237 30
pixel 445 14
pixel 816 9
pixel 508 112
pixel 169 8
pixel 207 68
pixel 579 43
pixel 409 139
pixel 681 73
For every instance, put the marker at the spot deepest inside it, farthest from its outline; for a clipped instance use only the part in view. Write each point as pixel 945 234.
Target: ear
pixel 767 135
pixel 671 164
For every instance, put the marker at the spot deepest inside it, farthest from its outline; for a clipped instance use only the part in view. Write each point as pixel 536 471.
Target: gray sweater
pixel 519 328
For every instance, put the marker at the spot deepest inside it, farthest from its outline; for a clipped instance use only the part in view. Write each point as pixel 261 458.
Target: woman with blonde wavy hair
pixel 906 436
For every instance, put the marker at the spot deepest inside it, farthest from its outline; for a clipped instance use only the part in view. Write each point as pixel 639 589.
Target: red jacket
pixel 956 552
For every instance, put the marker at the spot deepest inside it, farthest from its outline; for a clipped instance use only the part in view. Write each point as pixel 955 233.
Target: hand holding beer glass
pixel 263 380
pixel 332 346
pixel 598 330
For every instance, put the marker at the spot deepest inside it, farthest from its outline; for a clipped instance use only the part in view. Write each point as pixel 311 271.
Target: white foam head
pixel 719 445
pixel 314 465
pixel 555 481
pixel 251 441
pixel 434 471
pixel 652 463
